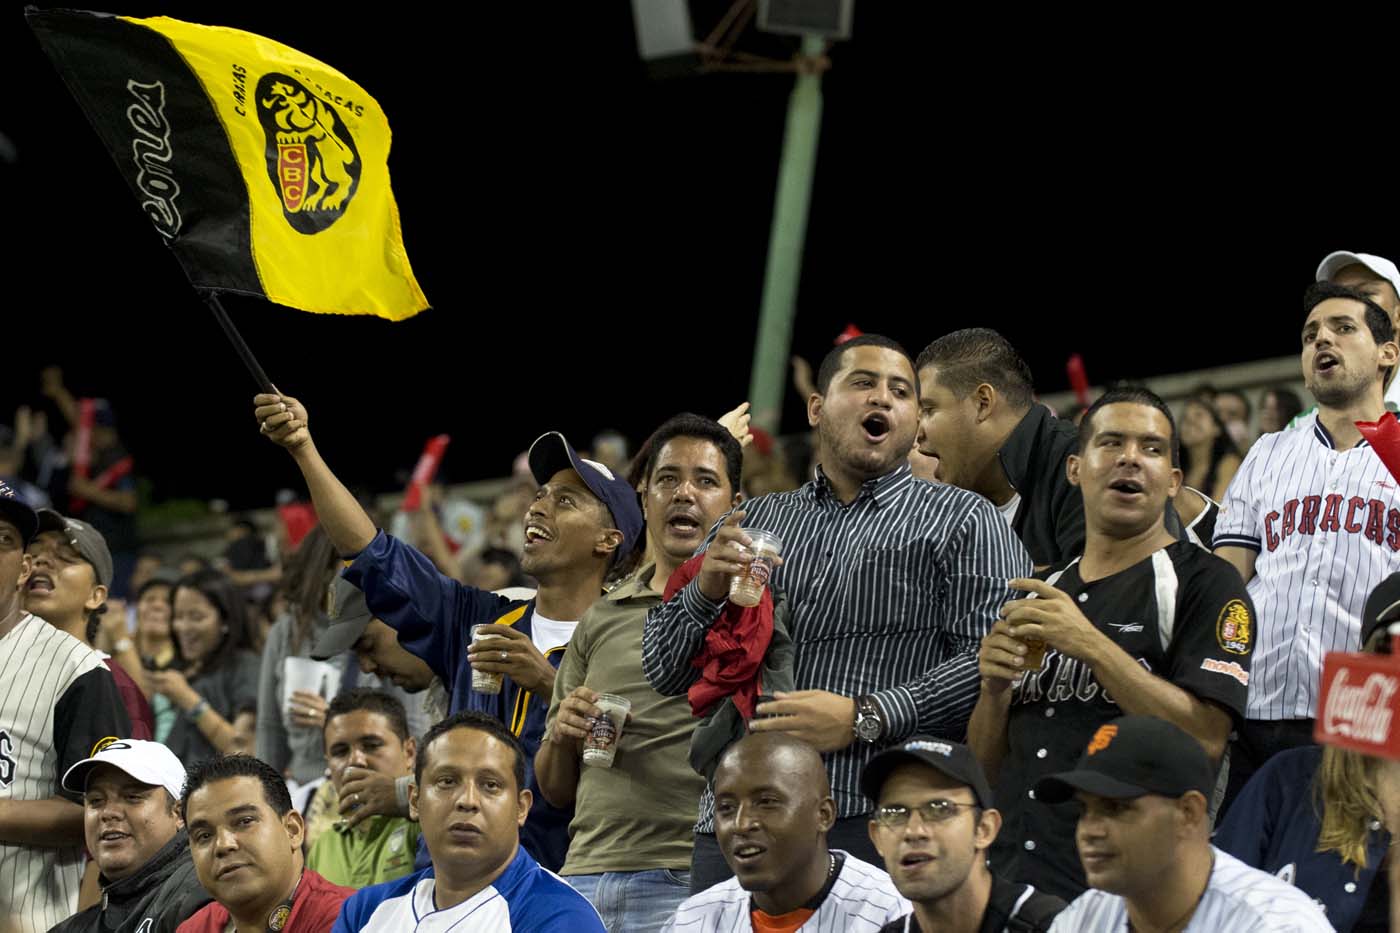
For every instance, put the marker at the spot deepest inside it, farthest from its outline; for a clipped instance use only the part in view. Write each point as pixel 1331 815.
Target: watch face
pixel 868 728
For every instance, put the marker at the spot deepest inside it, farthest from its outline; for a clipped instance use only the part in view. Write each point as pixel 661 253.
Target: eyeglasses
pixel 935 811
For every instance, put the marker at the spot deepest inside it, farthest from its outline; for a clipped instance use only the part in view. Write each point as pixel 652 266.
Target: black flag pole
pixel 239 344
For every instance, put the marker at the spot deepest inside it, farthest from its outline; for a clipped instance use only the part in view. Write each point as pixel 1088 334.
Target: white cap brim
pixel 148 762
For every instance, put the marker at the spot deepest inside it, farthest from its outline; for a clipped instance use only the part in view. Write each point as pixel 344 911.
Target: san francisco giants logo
pixel 7 759
pixel 1102 739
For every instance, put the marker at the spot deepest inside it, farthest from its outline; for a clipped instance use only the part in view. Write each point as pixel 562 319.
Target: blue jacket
pixel 434 615
pixel 1273 825
pixel 524 899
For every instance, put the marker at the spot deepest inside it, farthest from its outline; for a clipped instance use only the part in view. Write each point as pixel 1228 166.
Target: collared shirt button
pixel 1050 712
pixel 1083 597
pixel 1030 845
pixel 1350 887
pixel 1041 754
pixel 1031 793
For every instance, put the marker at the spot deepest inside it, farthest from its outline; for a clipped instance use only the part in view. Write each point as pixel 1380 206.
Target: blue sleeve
pixel 549 905
pixel 349 919
pixel 432 613
pixel 1256 814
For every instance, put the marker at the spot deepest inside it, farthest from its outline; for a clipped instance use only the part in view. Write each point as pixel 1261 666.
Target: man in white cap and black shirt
pixel 131 817
pixel 1144 837
pixel 934 820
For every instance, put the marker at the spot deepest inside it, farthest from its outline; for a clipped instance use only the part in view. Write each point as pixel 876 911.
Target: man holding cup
pixel 582 521
pixel 892 581
pixel 632 783
pixel 1141 623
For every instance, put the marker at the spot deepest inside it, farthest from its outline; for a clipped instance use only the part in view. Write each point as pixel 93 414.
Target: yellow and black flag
pixel 265 170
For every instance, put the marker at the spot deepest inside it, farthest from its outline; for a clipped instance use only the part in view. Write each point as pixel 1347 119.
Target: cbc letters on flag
pixel 265 170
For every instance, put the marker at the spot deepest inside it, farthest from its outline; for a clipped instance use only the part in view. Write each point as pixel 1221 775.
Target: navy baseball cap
pixel 949 758
pixel 1133 756
pixel 17 512
pixel 551 453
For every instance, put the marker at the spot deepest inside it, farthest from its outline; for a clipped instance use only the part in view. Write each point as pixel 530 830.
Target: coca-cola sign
pixel 1360 696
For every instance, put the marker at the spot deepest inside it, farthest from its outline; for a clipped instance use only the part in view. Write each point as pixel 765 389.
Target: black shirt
pixel 1185 616
pixel 157 899
pixel 1011 908
pixel 1050 519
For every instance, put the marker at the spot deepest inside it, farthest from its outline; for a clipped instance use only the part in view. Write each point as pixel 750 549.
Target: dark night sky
pixel 593 240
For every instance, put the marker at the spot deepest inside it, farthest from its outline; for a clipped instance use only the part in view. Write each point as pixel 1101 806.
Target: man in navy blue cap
pixel 582 521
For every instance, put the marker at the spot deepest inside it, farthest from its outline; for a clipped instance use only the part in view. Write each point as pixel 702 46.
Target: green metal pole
pixel 768 383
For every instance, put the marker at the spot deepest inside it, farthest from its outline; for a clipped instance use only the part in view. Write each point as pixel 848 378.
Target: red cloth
pixel 314 909
pixel 731 659
pixel 143 721
pixel 1384 438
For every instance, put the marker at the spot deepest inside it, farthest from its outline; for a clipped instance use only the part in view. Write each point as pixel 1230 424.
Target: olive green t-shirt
pixel 379 849
pixel 638 815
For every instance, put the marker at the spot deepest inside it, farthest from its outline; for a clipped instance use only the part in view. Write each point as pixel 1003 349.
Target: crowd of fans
pixel 985 669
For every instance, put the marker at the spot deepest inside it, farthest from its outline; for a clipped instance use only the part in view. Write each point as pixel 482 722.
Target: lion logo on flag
pixel 311 156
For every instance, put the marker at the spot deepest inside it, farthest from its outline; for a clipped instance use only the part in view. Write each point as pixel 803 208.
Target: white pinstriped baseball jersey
pixel 1237 899
pixel 1325 524
pixel 57 701
pixel 862 899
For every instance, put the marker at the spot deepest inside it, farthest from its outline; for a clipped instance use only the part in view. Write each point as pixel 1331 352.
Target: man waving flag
pixel 265 170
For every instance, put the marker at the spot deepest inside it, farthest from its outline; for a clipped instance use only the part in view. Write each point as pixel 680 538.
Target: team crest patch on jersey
pixel 1102 739
pixel 279 918
pixel 1228 668
pixel 1234 630
pixel 396 841
pixel 103 743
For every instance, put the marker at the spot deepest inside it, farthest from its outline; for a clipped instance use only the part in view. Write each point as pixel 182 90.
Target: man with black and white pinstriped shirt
pixel 892 581
pixel 1312 522
pixel 57 703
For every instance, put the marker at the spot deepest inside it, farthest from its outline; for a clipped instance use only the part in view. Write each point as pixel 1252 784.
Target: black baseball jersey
pixel 1184 615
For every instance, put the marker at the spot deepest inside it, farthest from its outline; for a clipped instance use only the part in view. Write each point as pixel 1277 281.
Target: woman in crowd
pixel 218 682
pixel 289 735
pixel 1209 457
pixel 1317 817
pixel 1278 407
pixel 155 643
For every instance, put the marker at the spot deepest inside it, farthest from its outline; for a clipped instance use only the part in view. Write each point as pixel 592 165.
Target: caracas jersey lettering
pixel 1333 514
pixel 1069 679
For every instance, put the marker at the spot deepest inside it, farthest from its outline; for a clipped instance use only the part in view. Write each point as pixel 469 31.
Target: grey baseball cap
pixel 349 615
pixel 87 539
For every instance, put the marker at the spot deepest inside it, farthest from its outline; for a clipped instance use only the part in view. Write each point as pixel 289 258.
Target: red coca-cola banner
pixel 1360 702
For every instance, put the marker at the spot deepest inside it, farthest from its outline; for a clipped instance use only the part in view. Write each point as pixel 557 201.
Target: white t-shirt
pixel 548 634
pixel 1009 510
pixel 1237 899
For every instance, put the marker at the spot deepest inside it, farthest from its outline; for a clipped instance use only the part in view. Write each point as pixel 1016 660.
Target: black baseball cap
pixel 949 758
pixel 551 453
pixel 1133 756
pixel 17 512
pixel 349 615
pixel 1382 607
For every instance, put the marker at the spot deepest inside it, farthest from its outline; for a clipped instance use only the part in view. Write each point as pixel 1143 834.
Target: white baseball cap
pixel 148 762
pixel 1336 262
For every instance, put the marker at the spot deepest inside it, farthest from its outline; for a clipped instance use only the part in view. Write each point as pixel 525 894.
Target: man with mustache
pixel 773 810
pixel 582 521
pixel 632 832
pixel 468 794
pixel 246 840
